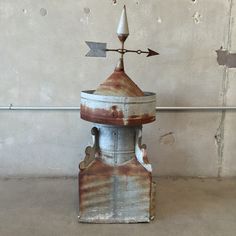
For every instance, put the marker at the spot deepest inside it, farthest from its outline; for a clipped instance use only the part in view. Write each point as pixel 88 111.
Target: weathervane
pixel 100 49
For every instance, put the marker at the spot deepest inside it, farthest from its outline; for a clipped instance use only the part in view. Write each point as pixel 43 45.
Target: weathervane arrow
pixel 98 49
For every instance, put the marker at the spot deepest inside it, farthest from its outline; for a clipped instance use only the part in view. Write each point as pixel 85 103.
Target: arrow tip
pixel 151 53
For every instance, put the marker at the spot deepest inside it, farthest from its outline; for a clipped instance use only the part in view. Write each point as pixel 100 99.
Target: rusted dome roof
pixel 119 84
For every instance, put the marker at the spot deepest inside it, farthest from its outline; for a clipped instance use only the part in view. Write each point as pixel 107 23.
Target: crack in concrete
pixel 167 139
pixel 219 136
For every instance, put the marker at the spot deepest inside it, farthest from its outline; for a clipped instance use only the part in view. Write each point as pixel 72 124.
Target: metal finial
pixel 120 65
pixel 123 28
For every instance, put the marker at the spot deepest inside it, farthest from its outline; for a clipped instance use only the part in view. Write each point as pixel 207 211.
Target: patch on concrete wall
pixel 167 139
pixel 43 12
pixel 196 17
pixel 159 20
pixel 86 10
pixel 225 58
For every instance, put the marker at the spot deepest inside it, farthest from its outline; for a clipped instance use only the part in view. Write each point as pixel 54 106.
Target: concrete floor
pixel 185 207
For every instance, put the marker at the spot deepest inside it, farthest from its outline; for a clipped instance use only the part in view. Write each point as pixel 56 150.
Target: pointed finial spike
pixel 123 28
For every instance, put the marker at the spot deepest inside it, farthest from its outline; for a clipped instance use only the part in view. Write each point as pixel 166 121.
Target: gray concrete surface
pixel 46 207
pixel 42 64
pixel 229 150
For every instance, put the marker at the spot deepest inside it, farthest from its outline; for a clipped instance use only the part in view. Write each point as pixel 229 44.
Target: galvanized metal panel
pixel 115 194
pixel 116 143
pixel 115 110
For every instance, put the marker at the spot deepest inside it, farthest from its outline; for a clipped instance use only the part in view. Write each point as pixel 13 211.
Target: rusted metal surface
pixel 115 180
pixel 153 202
pixel 114 194
pixel 114 110
pixel 149 51
pixel 119 84
pixel 91 152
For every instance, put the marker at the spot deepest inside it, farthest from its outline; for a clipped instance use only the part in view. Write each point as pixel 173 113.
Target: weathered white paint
pixel 123 28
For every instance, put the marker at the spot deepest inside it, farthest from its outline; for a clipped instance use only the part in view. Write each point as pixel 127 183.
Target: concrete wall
pixel 42 63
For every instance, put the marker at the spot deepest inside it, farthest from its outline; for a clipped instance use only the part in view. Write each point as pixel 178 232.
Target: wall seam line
pixel 220 133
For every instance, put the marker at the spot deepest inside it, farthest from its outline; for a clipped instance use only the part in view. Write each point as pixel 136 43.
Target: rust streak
pixel 95 182
pixel 119 84
pixel 113 116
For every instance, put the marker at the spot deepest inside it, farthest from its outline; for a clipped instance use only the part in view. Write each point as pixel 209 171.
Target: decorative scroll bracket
pixel 141 151
pixel 91 152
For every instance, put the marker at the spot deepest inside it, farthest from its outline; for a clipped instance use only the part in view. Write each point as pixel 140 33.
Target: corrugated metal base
pixel 115 194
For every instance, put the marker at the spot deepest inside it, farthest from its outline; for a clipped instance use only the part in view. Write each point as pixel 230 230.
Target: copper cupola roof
pixel 119 84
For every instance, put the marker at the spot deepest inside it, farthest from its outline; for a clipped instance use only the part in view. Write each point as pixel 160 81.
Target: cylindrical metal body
pixel 117 143
pixel 117 110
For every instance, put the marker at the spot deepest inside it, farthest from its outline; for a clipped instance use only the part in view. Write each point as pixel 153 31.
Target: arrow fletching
pixel 96 49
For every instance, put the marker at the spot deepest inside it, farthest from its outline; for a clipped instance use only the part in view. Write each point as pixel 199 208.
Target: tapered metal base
pixel 115 180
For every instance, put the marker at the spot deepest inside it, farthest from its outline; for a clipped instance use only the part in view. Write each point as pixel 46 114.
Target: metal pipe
pixel 38 108
pixel 194 108
pixel 77 108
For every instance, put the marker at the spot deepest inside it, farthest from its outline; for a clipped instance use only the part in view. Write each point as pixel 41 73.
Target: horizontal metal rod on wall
pixel 64 108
